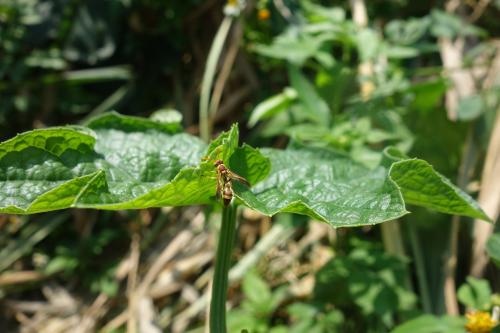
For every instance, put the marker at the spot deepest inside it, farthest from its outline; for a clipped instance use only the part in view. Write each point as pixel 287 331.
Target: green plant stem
pixel 222 263
pixel 420 270
pixel 209 74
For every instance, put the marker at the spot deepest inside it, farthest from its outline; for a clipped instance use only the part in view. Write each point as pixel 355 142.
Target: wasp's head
pixel 218 162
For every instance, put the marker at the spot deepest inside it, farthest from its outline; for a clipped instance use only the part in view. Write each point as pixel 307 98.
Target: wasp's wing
pixel 237 177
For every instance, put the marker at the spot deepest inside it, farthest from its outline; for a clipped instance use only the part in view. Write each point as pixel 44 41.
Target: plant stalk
pixel 217 315
pixel 425 295
pixel 209 75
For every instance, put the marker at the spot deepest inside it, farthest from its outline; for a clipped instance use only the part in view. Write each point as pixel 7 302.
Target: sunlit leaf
pixel 121 162
pixel 325 186
pixel 421 185
pixel 272 106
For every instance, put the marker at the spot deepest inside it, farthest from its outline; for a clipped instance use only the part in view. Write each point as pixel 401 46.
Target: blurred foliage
pixel 371 288
pixel 476 294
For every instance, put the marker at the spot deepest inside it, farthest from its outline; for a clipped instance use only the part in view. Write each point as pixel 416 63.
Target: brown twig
pixel 132 282
pixel 10 278
pixel 489 199
pixel 478 10
pixel 229 59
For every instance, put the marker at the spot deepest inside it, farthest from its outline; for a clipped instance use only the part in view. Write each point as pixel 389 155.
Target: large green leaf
pixel 332 188
pixel 121 162
pixel 421 185
pixel 325 186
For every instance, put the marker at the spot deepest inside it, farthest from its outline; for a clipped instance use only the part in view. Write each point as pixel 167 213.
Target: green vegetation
pixel 115 219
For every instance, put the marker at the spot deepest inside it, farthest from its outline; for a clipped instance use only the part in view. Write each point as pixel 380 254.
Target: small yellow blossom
pixel 263 14
pixel 479 322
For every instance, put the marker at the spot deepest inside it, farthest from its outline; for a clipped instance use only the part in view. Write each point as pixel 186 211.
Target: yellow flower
pixel 263 14
pixel 479 322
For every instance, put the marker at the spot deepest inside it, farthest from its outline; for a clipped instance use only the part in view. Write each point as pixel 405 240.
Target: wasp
pixel 224 182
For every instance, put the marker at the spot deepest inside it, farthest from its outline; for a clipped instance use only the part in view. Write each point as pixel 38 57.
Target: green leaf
pixel 325 186
pixel 114 121
pixel 318 12
pixel 400 52
pixel 167 116
pixel 250 163
pixel 493 248
pixel 312 101
pixel 428 94
pixel 123 163
pixel 368 280
pixel 257 292
pixel 475 294
pixel 432 324
pixel 368 43
pixel 470 107
pixel 34 162
pixel 450 26
pixel 421 185
pixel 332 188
pixel 272 106
pixel 407 32
pixel 227 141
pixel 294 45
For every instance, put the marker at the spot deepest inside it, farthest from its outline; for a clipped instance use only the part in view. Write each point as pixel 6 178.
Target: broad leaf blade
pixel 421 185
pixel 325 186
pixel 124 163
pixel 129 163
pixel 35 162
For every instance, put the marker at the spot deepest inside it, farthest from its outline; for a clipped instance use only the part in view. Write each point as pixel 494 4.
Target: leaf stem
pixel 222 263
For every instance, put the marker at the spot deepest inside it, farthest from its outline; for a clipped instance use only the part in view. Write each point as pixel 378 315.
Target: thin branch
pixel 231 54
pixel 132 282
pixel 478 10
pixel 489 199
